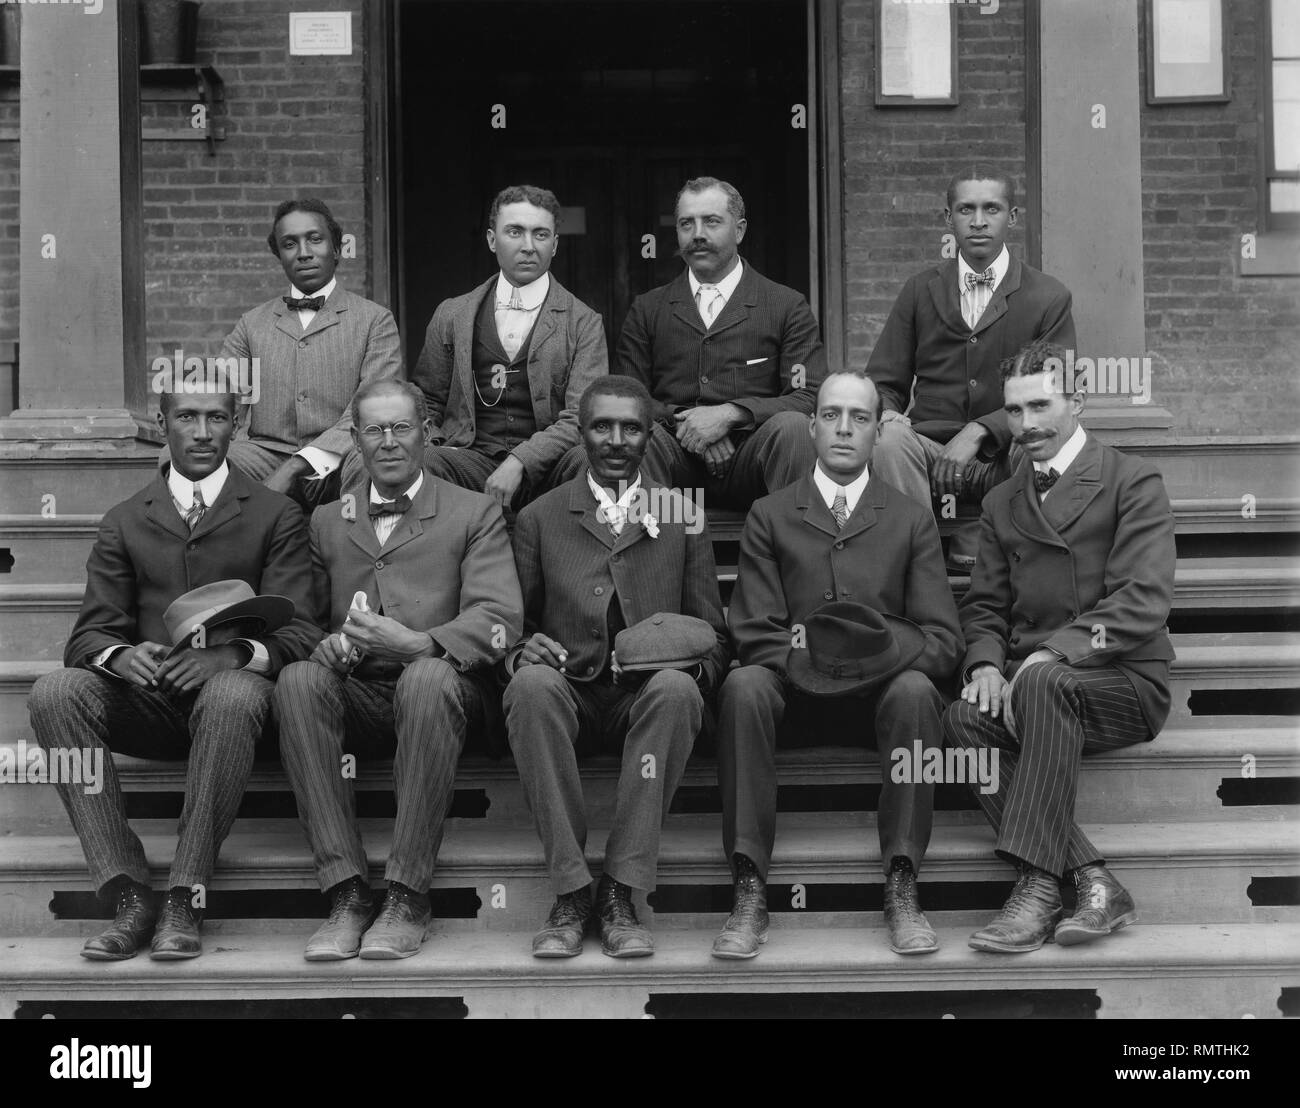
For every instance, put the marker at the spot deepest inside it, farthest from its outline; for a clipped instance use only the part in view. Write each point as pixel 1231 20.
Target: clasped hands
pixel 148 666
pixel 705 431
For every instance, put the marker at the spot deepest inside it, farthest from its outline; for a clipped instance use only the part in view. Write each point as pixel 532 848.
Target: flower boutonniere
pixel 651 525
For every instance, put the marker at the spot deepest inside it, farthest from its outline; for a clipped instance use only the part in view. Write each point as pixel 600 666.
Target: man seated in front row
pixel 419 584
pixel 846 629
pixel 1067 652
pixel 602 554
pixel 144 675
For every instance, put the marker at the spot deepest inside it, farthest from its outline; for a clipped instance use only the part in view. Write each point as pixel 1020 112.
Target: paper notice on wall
pixel 320 32
pixel 916 51
pixel 1185 27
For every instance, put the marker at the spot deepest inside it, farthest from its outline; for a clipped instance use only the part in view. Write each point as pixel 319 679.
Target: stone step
pixel 1244 770
pixel 1178 873
pixel 77 484
pixel 1146 971
pixel 40 550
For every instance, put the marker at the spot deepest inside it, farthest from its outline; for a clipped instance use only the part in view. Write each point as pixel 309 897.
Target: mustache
pixel 698 244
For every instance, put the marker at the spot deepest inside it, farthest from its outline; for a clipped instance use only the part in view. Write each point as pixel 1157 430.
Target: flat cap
pixel 664 640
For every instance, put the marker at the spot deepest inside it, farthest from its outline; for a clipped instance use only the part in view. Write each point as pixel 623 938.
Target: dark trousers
pixel 775 455
pixel 1060 713
pixel 420 719
pixel 216 731
pixel 757 707
pixel 548 717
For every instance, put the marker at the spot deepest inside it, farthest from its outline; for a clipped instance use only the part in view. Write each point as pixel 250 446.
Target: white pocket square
pixel 755 361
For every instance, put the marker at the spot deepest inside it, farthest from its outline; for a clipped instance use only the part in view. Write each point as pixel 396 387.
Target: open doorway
pixel 611 104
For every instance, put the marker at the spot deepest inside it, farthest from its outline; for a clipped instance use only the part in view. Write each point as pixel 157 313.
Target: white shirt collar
pixel 999 267
pixel 828 487
pixel 530 295
pixel 326 292
pixel 182 488
pixel 411 492
pixel 726 286
pixel 1066 455
pixel 602 497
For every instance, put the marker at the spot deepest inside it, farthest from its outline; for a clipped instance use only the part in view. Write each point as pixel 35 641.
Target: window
pixel 1281 116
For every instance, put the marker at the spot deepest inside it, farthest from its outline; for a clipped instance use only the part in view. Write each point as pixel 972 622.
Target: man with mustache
pixel 732 360
pixel 315 347
pixel 606 551
pixel 937 360
pixel 127 689
pixel 406 673
pixel 503 366
pixel 1067 649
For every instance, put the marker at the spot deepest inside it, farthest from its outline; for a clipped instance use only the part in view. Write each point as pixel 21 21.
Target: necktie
pixel 840 509
pixel 615 518
pixel 1044 481
pixel 707 300
pixel 196 509
pixel 516 304
pixel 307 303
pixel 985 278
pixel 391 507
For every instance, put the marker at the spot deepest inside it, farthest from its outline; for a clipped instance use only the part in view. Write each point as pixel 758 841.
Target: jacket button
pixel 599 590
pixel 839 545
pixel 1072 616
pixel 192 546
pixel 828 595
pixel 302 342
pixel 704 380
pixel 379 565
pixel 616 557
pixel 591 670
pixel 973 383
pixel 1015 555
pixel 974 338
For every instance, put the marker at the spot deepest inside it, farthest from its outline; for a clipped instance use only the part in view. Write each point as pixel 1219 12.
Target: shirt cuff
pixel 322 462
pixel 260 662
pixel 100 660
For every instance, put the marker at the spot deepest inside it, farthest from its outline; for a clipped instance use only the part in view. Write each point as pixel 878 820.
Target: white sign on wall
pixel 320 32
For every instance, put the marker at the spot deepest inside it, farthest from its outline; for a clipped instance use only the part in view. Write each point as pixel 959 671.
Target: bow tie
pixel 391 507
pixel 988 277
pixel 1044 481
pixel 307 303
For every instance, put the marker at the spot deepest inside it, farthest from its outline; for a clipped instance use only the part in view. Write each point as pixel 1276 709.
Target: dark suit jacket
pixel 446 569
pixel 956 371
pixel 308 378
pixel 1089 573
pixel 793 559
pixel 569 563
pixel 145 557
pixel 746 358
pixel 565 354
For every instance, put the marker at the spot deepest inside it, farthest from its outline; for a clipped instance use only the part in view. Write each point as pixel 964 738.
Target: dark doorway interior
pixel 612 105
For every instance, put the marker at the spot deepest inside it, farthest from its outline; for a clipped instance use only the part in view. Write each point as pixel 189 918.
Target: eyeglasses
pixel 374 433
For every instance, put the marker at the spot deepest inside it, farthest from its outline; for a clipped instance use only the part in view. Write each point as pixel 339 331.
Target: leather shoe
pixel 622 935
pixel 746 928
pixel 1027 918
pixel 403 924
pixel 909 931
pixel 561 935
pixel 352 907
pixel 135 913
pixel 177 936
pixel 1102 905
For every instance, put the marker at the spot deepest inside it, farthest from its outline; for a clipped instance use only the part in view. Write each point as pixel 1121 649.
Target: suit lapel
pixel 462 337
pixel 162 510
pixel 1077 487
pixel 737 308
pixel 361 531
pixel 225 508
pixel 943 293
pixel 997 306
pixel 331 312
pixel 809 503
pixel 684 309
pixel 547 320
pixel 411 525
pixel 581 500
pixel 1026 512
pixel 864 515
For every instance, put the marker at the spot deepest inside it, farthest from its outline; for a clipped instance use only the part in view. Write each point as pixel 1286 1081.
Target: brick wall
pixel 294 126
pixel 897 161
pixel 9 119
pixel 1225 349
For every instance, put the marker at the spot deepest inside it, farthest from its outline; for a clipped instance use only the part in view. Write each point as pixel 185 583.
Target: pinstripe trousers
pixel 1061 713
pixel 420 719
pixel 217 732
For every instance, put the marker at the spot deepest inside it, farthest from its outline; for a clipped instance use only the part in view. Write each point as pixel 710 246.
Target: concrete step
pixel 41 550
pixel 1208 971
pixel 32 473
pixel 1244 770
pixel 1178 873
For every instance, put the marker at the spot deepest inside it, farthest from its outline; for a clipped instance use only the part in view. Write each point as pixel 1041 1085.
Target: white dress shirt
pixel 974 301
pixel 1064 457
pixel 513 324
pixel 828 488
pixel 385 525
pixel 614 512
pixel 322 462
pixel 725 288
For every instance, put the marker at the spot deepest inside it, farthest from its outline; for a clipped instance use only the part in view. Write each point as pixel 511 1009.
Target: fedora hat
pixel 851 648
pixel 219 603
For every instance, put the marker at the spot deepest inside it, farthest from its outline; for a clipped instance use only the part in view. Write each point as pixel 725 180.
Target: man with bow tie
pixel 127 689
pixel 937 361
pixel 731 358
pixel 422 596
pixel 843 548
pixel 503 366
pixel 314 347
pixel 602 553
pixel 1067 649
